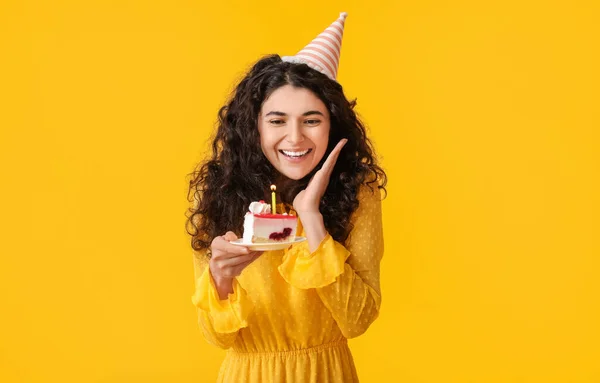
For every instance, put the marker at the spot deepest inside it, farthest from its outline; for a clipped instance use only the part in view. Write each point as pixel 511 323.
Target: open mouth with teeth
pixel 295 154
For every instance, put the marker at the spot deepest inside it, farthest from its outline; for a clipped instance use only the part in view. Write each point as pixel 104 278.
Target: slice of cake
pixel 260 226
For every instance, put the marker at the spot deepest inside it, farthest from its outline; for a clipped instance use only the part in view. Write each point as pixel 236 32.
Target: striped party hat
pixel 323 53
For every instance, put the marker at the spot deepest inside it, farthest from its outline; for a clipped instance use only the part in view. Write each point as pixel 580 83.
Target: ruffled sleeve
pixel 306 270
pixel 346 278
pixel 219 320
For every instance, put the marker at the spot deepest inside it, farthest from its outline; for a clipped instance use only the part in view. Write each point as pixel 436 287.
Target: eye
pixel 312 122
pixel 277 122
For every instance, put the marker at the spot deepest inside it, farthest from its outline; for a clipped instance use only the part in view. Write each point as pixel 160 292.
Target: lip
pixel 295 149
pixel 295 159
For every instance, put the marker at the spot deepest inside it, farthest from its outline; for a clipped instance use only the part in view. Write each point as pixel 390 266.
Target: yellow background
pixel 485 115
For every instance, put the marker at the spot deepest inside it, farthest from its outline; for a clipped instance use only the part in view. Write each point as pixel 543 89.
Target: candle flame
pixel 273 188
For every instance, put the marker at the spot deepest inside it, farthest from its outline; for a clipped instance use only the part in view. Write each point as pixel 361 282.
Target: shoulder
pixel 369 198
pixel 367 221
pixel 369 193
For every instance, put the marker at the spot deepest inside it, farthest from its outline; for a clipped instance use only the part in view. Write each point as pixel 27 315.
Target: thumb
pixel 230 236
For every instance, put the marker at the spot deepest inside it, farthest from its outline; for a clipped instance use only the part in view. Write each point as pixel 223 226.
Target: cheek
pixel 265 143
pixel 322 140
pixel 268 139
pixel 268 144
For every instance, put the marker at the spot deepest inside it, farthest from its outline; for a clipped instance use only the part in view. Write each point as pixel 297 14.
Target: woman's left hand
pixel 309 199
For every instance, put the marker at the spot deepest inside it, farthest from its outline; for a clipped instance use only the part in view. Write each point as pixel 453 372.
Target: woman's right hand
pixel 228 261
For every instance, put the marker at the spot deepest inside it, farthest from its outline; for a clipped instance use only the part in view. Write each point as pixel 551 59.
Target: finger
pixel 317 183
pixel 234 269
pixel 333 156
pixel 230 236
pixel 254 256
pixel 227 237
pixel 235 261
pixel 312 179
pixel 221 248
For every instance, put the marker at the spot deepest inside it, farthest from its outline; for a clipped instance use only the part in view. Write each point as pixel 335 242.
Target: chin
pixel 295 174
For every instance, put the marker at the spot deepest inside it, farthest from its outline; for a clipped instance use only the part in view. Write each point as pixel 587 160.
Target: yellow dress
pixel 292 311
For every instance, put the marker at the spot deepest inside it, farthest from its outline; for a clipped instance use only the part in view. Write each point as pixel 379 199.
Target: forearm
pixel 365 300
pixel 314 228
pixel 345 276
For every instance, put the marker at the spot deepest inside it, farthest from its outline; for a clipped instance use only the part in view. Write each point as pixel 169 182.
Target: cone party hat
pixel 323 53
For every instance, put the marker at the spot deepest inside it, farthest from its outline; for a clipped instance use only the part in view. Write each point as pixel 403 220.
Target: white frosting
pixel 248 228
pixel 259 208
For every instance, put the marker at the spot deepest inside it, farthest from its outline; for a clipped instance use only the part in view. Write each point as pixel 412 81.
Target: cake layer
pixel 260 228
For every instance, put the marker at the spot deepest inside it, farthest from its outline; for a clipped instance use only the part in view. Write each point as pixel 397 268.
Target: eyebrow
pixel 278 113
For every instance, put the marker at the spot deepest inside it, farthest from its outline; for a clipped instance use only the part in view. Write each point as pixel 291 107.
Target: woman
pixel 285 316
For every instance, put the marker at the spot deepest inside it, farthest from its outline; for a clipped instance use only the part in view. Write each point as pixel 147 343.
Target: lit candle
pixel 273 188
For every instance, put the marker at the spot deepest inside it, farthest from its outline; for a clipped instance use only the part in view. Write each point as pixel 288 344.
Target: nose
pixel 294 134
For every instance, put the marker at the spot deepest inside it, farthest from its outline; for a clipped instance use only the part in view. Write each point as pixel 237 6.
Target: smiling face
pixel 294 130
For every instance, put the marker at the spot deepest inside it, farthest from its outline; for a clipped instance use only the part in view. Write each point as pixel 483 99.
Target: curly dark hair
pixel 238 172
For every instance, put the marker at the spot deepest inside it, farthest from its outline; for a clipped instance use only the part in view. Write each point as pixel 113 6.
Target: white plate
pixel 268 246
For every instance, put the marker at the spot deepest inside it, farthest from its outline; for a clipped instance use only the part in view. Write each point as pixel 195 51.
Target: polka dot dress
pixel 292 311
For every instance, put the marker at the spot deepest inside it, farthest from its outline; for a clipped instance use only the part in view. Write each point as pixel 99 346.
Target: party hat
pixel 323 53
